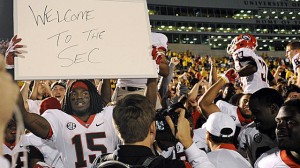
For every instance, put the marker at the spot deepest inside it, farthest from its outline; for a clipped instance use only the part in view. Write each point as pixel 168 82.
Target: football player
pixel 20 154
pixel 292 52
pixel 287 133
pixel 252 69
pixel 240 114
pixel 259 136
pixel 82 131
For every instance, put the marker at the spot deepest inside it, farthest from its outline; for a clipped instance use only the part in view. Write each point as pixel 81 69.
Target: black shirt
pixel 136 155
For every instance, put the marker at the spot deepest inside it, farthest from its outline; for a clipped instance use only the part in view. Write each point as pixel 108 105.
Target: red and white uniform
pixel 51 155
pixel 34 106
pixel 254 141
pixel 275 158
pixel 226 156
pixel 296 62
pixel 234 112
pixel 4 162
pixel 17 154
pixel 80 143
pixel 199 139
pixel 257 80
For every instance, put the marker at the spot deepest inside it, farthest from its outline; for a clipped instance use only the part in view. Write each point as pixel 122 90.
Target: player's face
pixel 58 92
pixel 288 127
pixel 228 92
pixel 262 116
pixel 290 53
pixel 244 104
pixel 41 88
pixel 10 132
pixel 80 100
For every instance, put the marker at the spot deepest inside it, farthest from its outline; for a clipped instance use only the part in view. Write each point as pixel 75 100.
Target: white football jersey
pixel 80 143
pixel 296 62
pixel 17 155
pixel 255 142
pixel 200 140
pixel 234 112
pixel 256 81
pixel 275 158
pixel 51 155
pixel 4 162
pixel 141 83
pixel 222 158
pixel 34 106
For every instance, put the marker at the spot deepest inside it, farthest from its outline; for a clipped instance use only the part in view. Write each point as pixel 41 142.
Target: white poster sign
pixel 83 39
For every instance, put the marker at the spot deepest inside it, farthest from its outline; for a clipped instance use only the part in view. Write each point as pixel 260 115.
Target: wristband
pixel 225 79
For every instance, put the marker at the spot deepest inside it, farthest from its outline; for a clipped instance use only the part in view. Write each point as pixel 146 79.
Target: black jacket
pixel 136 155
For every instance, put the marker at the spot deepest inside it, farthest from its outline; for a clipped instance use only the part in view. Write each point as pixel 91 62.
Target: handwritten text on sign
pixel 70 39
pixel 50 15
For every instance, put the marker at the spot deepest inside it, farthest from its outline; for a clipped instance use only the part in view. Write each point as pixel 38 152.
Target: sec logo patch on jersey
pixel 71 125
pixel 258 138
pixel 233 117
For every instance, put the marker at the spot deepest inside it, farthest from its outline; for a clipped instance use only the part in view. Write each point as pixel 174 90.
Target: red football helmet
pixel 242 41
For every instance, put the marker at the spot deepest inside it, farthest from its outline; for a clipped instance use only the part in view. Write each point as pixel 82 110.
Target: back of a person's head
pixel 132 117
pixel 281 81
pixel 49 103
pixel 221 127
pixel 266 97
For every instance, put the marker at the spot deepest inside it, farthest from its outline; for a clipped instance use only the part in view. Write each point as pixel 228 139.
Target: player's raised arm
pixel 106 91
pixel 249 68
pixel 151 92
pixel 206 101
pixel 159 51
pixel 33 122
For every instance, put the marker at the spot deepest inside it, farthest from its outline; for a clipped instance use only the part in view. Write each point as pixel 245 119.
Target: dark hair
pixel 96 103
pixel 217 139
pixel 132 117
pixel 294 45
pixel 231 91
pixel 293 103
pixel 267 96
pixel 292 88
pixel 235 99
pixel 282 89
pixel 281 81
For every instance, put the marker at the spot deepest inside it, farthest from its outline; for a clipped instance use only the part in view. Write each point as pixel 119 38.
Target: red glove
pixel 157 54
pixel 11 51
pixel 230 75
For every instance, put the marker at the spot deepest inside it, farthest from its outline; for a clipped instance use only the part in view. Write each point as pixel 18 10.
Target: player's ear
pixel 207 136
pixel 274 109
pixel 152 128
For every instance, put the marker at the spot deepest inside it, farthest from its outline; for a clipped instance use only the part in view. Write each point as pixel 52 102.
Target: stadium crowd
pixel 240 110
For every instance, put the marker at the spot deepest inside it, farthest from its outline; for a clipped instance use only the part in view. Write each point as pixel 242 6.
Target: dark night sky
pixel 6 19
